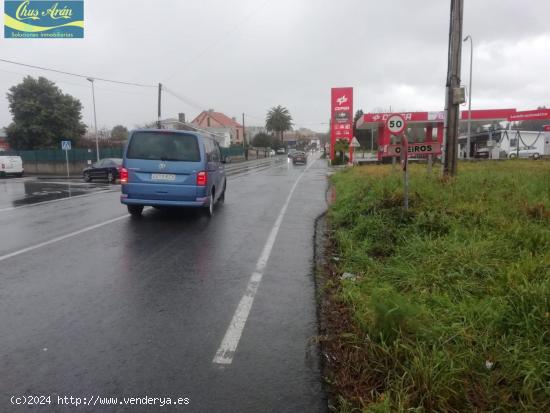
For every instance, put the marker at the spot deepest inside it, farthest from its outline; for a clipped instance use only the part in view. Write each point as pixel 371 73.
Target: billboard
pixel 342 113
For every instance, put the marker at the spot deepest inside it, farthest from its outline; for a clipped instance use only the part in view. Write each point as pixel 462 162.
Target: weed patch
pixel 451 307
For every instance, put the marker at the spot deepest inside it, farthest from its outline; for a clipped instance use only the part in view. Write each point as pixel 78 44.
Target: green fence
pixel 75 155
pixel 232 151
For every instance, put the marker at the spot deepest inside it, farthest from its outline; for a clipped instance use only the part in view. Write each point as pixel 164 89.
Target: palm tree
pixel 278 120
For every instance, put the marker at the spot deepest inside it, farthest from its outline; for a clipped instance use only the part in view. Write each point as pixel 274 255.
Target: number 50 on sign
pixel 396 124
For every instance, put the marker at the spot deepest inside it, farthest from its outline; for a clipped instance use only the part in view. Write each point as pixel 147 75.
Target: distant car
pixel 281 150
pixel 525 152
pixel 299 157
pixel 11 165
pixel 105 169
pixel 291 153
pixel 272 152
pixel 482 153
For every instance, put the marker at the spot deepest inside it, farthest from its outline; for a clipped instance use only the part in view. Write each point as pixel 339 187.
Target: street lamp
pixel 91 79
pixel 469 97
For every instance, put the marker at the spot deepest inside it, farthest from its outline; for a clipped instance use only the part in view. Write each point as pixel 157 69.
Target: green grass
pixel 460 280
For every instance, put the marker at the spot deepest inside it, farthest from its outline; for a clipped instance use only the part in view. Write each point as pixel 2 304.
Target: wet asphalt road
pixel 137 308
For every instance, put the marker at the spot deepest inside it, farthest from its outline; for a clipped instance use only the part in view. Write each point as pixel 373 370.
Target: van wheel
pixel 135 210
pixel 512 155
pixel 536 156
pixel 209 210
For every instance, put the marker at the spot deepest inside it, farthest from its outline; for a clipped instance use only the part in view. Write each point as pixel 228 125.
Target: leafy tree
pixel 262 140
pixel 278 120
pixel 42 115
pixel 341 148
pixel 119 133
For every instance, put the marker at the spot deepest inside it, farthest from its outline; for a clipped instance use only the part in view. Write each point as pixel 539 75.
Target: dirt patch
pixel 341 356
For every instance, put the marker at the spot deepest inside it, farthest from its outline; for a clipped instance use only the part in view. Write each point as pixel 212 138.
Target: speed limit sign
pixel 396 124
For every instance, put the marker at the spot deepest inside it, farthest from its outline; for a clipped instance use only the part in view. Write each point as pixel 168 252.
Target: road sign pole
pixel 405 159
pixel 67 161
pixel 430 162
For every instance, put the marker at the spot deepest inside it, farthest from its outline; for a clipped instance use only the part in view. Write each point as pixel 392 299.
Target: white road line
pixel 62 237
pixel 230 341
pixel 56 200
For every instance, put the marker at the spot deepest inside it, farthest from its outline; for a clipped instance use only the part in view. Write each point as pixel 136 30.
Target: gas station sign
pixel 341 109
pixel 342 112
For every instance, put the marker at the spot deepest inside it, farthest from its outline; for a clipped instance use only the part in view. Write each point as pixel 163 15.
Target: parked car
pixel 105 169
pixel 11 165
pixel 525 152
pixel 169 168
pixel 299 157
pixel 482 153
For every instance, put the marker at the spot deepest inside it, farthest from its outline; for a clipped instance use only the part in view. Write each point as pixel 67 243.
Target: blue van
pixel 172 168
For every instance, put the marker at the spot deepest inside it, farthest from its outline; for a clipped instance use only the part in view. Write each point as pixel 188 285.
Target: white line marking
pixel 61 238
pixel 230 341
pixel 56 200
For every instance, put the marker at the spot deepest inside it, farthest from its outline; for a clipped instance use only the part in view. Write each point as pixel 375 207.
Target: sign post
pixel 397 124
pixel 404 162
pixel 66 146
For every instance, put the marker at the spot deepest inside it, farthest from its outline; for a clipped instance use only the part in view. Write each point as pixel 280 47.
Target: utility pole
pixel 91 79
pixel 469 139
pixel 160 95
pixel 245 146
pixel 453 96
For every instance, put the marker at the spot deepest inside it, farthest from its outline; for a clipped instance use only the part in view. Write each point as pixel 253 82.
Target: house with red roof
pixel 218 122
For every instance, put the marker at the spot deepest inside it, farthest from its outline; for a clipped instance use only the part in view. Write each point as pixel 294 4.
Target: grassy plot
pixel 450 310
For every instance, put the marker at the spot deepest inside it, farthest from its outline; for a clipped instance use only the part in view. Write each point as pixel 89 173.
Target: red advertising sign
pixel 342 113
pixel 487 114
pixel 408 116
pixel 435 117
pixel 537 114
pixel 4 145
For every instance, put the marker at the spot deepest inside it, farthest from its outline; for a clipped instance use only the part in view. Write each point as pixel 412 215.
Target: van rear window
pixel 164 146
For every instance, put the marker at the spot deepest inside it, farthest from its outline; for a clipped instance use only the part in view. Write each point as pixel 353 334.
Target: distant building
pixel 301 135
pixel 177 124
pixel 221 135
pixel 217 122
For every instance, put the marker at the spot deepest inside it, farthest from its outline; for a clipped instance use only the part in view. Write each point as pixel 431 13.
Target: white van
pixel 11 165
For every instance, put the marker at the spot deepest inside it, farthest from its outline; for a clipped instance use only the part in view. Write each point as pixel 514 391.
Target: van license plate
pixel 163 177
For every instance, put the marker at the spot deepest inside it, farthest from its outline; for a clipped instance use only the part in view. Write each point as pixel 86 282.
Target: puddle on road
pixel 32 192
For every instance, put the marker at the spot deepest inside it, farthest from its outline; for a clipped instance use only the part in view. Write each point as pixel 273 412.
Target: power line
pixel 183 99
pixel 76 74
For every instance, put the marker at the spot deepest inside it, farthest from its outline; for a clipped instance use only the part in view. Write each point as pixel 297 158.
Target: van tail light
pixel 123 175
pixel 202 178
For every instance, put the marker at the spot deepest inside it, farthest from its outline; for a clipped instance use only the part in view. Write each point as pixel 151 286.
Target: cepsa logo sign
pixel 43 19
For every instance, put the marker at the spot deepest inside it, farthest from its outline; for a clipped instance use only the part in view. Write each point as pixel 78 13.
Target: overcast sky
pixel 250 55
